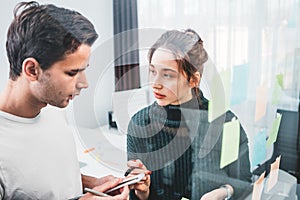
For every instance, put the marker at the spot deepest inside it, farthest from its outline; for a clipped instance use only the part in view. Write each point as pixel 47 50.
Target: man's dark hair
pixel 46 33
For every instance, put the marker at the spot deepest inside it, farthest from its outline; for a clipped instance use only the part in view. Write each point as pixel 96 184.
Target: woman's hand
pixel 217 194
pixel 142 188
pixel 105 184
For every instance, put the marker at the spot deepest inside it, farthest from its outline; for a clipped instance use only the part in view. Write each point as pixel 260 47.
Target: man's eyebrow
pixel 80 69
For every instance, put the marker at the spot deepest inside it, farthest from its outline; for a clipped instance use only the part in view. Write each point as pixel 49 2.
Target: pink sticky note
pixel 273 177
pixel 261 102
pixel 258 187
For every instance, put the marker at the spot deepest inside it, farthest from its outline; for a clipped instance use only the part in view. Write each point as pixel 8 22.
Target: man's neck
pixel 16 99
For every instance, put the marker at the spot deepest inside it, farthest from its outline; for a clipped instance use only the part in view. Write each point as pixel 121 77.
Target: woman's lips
pixel 159 96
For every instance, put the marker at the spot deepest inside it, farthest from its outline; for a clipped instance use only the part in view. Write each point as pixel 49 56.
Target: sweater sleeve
pixel 131 150
pixel 134 142
pixel 1 184
pixel 1 191
pixel 136 146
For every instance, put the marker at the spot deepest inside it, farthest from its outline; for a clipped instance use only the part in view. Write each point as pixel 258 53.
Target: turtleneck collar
pixel 197 102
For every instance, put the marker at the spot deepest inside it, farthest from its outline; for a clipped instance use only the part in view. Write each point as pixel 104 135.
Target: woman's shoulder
pixel 229 115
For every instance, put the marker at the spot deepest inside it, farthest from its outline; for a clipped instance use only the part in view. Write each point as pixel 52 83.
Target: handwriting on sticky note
pixel 230 143
pixel 258 187
pixel 273 177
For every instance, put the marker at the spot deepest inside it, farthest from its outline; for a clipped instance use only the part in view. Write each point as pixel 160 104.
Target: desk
pixel 285 188
pixel 108 156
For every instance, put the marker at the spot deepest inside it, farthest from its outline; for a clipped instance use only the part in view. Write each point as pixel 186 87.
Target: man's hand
pixel 105 184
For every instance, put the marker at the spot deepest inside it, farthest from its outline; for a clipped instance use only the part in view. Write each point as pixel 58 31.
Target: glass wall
pixel 251 42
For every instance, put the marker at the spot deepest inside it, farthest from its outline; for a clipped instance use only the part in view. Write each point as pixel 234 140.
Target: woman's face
pixel 169 86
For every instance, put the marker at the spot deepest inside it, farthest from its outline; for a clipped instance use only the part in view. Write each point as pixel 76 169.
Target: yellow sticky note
pixel 230 143
pixel 273 177
pixel 97 158
pixel 274 130
pixel 258 187
pixel 261 102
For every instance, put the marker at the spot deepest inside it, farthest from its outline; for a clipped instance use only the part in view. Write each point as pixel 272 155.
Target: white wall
pixel 100 12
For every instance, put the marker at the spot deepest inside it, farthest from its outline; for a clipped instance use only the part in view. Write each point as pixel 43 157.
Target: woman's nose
pixel 157 85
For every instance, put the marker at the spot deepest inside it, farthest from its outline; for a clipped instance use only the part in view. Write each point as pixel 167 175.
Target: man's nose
pixel 82 81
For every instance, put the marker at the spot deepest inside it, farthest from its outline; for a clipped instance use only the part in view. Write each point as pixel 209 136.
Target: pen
pixel 95 192
pixel 128 171
pixel 76 198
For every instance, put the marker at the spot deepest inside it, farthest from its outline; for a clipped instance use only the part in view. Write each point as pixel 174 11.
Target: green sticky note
pixel 277 90
pixel 217 103
pixel 230 143
pixel 279 78
pixel 226 81
pixel 274 130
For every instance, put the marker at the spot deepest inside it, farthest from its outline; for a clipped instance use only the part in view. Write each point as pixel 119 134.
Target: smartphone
pixel 127 181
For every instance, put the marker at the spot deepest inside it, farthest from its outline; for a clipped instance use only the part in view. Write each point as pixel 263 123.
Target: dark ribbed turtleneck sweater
pixel 169 140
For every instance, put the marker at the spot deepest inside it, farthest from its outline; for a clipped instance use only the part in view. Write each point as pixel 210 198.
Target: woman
pixel 167 137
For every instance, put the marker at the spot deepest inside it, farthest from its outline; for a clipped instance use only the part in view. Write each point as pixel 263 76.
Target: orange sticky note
pixel 261 102
pixel 89 150
pixel 258 187
pixel 273 177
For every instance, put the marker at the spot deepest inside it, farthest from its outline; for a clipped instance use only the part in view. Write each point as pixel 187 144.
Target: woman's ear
pixel 31 68
pixel 195 80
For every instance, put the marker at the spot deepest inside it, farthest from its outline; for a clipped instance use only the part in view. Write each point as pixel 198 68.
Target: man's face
pixel 64 79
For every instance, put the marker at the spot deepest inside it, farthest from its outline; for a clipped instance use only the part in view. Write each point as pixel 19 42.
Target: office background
pixel 260 37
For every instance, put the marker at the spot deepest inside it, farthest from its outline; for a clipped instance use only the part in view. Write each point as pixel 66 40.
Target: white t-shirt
pixel 38 157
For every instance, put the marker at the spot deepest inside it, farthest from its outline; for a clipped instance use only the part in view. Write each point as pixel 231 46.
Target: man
pixel 48 50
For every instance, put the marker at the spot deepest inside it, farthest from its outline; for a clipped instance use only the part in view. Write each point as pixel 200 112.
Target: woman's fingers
pixel 136 167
